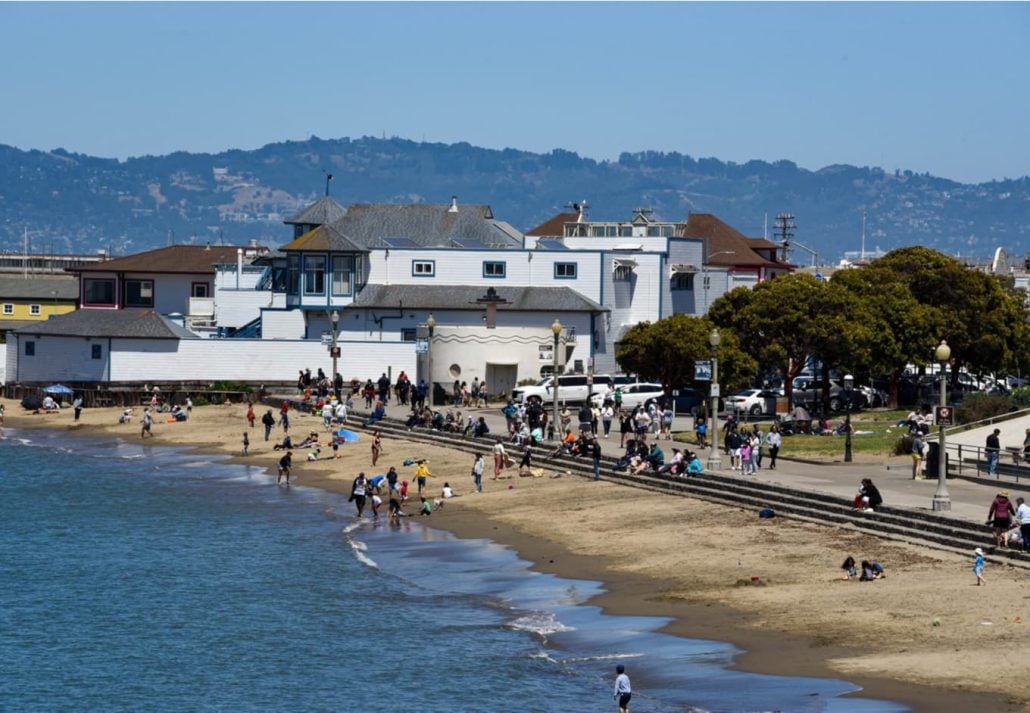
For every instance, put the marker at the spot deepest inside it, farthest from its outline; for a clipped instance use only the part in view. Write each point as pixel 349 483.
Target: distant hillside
pixel 78 203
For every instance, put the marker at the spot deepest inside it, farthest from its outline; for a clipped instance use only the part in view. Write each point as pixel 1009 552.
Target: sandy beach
pixel 695 562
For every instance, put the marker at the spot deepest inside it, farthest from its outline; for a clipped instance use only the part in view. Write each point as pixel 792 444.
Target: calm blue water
pixel 145 578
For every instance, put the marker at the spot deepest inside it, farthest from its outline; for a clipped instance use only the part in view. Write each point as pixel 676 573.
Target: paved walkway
pixel 970 500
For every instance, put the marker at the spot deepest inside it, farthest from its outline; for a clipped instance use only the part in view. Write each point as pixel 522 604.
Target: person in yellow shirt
pixel 421 473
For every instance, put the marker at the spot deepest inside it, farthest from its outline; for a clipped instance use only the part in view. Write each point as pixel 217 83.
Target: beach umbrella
pixel 59 389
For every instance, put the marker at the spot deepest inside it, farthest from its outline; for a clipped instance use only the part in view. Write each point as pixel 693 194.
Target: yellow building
pixel 34 299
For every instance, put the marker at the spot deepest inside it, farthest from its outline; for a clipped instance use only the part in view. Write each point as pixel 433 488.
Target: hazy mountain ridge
pixel 78 203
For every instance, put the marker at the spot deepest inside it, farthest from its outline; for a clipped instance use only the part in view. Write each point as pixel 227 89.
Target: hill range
pixel 76 203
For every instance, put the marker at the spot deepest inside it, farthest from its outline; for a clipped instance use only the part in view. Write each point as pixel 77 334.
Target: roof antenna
pixel 328 177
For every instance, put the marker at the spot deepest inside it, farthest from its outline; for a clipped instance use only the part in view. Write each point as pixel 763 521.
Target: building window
pixel 495 269
pixel 98 293
pixel 201 289
pixel 407 334
pixel 30 349
pixel 683 281
pixel 8 308
pixel 139 293
pixel 96 351
pixel 565 270
pixel 343 275
pixel 423 268
pixel 34 310
pixel 314 274
pixel 625 231
pixel 292 274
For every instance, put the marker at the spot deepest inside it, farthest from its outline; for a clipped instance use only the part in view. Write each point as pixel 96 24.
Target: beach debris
pixel 766 513
pixel 754 581
pixel 986 623
pixel 511 486
pixel 936 621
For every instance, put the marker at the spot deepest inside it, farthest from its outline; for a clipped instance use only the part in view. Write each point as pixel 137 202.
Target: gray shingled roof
pixel 439 297
pixel 427 225
pixel 324 210
pixel 41 288
pixel 110 323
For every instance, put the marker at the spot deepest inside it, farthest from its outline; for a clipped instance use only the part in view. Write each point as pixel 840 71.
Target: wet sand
pixel 694 562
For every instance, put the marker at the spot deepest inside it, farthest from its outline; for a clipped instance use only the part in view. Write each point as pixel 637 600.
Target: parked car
pixel 632 394
pixel 809 393
pixel 572 388
pixel 752 401
pixel 683 401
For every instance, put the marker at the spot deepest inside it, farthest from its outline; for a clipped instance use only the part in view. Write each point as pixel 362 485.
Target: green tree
pixel 665 351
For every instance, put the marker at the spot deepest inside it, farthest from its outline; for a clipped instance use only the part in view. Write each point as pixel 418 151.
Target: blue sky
pixel 931 87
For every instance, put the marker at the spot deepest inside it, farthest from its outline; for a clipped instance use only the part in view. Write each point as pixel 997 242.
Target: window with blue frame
pixel 343 275
pixel 495 268
pixel 565 270
pixel 314 274
pixel 423 268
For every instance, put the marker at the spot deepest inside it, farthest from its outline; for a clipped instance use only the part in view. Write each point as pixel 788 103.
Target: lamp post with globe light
pixel 941 498
pixel 849 383
pixel 335 350
pixel 714 459
pixel 556 331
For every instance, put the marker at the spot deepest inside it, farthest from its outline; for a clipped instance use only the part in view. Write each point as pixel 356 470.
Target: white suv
pixel 572 388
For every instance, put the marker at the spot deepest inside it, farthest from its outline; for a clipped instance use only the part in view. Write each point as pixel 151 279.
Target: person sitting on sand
pixel 694 466
pixel 426 508
pixel 314 453
pixel 285 445
pixel 126 416
pixel 871 571
pixel 850 570
pixel 311 440
pixel 448 492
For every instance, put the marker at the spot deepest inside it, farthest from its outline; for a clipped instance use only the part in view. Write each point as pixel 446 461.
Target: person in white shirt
pixel 623 692
pixel 1023 518
pixel 607 414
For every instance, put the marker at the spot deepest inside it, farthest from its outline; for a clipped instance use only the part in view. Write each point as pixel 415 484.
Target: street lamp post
pixel 714 459
pixel 556 331
pixel 335 350
pixel 941 498
pixel 849 383
pixel 430 326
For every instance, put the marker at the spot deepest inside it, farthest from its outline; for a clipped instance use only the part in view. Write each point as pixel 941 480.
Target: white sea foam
pixel 543 655
pixel 600 657
pixel 347 529
pixel 542 623
pixel 363 558
pixel 359 545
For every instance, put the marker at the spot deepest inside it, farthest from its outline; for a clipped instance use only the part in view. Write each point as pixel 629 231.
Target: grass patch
pixel 882 424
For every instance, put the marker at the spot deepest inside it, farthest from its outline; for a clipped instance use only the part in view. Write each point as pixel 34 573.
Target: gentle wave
pixel 542 623
pixel 600 657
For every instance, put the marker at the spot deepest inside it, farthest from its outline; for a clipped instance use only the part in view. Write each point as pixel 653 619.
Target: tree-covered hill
pixel 76 203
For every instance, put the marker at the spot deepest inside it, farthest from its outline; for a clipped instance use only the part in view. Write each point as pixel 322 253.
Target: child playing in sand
pixel 426 508
pixel 978 566
pixel 376 502
pixel 404 490
pixel 849 568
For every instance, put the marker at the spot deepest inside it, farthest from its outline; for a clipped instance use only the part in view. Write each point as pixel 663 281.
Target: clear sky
pixel 943 88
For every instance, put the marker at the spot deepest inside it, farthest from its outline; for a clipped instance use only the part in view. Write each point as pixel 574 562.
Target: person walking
pixel 251 417
pixel 993 450
pixel 607 414
pixel 773 440
pixel 1023 518
pixel 917 457
pixel 1000 517
pixel 77 405
pixel 623 690
pixel 499 457
pixel 978 566
pixel 477 472
pixel 148 420
pixel 377 448
pixel 246 443
pixel 268 420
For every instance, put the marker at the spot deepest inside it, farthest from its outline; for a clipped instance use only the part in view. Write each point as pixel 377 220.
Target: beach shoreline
pixel 524 518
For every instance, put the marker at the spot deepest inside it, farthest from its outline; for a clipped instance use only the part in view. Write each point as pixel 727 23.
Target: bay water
pixel 149 578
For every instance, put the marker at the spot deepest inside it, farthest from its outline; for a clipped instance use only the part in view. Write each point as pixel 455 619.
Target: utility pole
pixel 785 228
